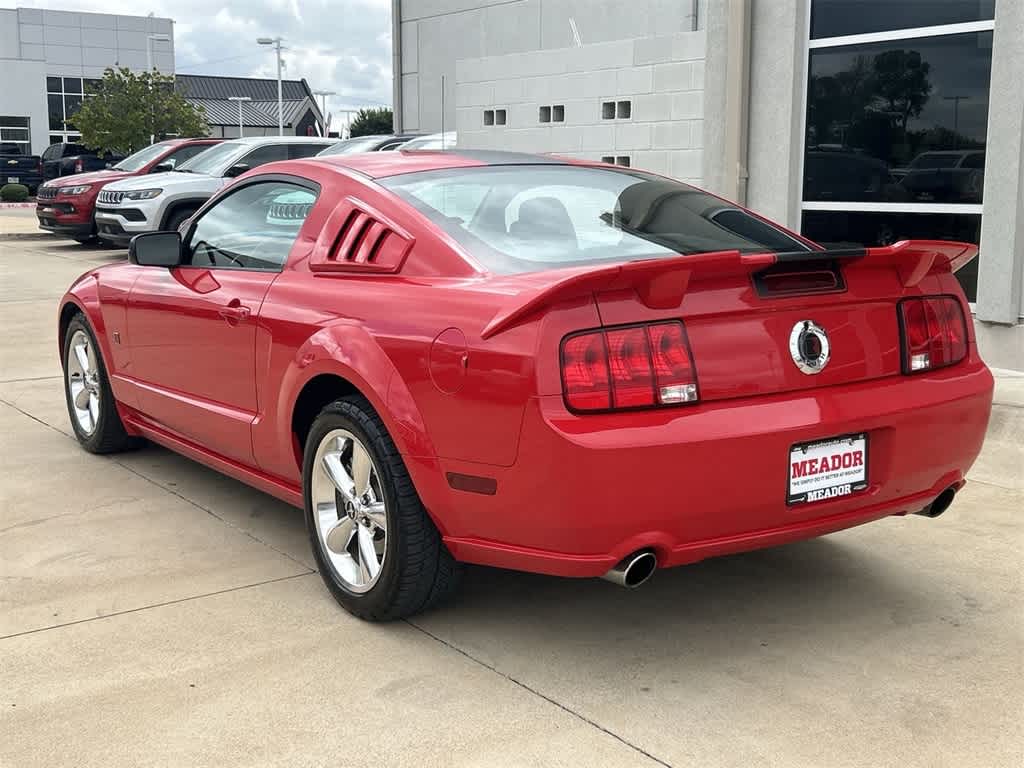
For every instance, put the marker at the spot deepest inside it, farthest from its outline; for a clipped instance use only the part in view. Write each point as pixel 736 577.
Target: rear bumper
pixel 692 483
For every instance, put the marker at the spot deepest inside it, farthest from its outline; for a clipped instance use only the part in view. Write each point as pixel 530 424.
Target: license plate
pixel 13 179
pixel 827 469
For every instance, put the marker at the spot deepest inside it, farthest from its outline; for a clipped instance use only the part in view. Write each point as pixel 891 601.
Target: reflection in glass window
pixel 901 121
pixel 844 229
pixel 833 18
pixel 253 228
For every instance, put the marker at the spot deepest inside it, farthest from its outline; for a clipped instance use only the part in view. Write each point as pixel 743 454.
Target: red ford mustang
pixel 529 363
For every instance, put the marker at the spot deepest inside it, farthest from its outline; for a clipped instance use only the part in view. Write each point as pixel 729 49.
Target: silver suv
pixel 162 201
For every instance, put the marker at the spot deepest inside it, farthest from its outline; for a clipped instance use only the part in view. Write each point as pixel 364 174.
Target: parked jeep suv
pixel 65 206
pixel 163 201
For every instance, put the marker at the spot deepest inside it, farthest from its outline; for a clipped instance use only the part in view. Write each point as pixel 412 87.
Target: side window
pixel 51 152
pixel 299 151
pixel 253 228
pixel 267 154
pixel 179 156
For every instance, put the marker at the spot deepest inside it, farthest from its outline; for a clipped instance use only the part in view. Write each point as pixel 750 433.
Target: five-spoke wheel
pixel 349 509
pixel 83 381
pixel 377 549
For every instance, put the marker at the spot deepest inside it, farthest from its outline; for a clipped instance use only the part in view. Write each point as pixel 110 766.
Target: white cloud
pixel 337 45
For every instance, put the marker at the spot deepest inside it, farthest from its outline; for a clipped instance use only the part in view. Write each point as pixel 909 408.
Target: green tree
pixel 902 85
pixel 126 108
pixel 371 122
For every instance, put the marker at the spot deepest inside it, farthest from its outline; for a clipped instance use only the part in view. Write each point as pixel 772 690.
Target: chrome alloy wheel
pixel 349 510
pixel 83 382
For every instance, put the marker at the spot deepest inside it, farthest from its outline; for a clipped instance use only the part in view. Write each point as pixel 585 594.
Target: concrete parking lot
pixel 155 613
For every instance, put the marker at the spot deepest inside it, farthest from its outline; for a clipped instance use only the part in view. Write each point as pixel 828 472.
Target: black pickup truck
pixel 66 159
pixel 18 168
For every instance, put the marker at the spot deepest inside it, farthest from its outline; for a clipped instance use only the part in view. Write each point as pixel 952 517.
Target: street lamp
pixel 276 42
pixel 323 100
pixel 239 99
pixel 150 39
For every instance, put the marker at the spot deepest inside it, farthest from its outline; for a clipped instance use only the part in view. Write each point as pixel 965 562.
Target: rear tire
pixel 411 569
pixel 90 401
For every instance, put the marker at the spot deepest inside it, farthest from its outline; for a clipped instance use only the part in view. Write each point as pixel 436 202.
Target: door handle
pixel 234 312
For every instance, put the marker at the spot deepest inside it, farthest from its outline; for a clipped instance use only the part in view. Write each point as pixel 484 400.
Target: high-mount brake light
pixel 635 366
pixel 934 333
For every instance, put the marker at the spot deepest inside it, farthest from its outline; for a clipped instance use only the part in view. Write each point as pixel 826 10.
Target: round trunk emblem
pixel 808 344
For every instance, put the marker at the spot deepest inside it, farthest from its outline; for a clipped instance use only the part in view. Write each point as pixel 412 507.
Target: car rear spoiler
pixel 662 283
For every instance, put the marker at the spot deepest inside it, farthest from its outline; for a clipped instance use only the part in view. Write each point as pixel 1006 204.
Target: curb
pixel 24 235
pixel 5 206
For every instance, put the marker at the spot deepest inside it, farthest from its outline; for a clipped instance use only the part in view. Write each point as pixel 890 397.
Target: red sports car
pixel 524 362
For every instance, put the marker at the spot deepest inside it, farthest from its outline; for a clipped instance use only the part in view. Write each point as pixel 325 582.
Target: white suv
pixel 163 201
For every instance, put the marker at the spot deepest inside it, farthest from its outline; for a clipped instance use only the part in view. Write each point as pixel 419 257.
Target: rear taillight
pixel 79 166
pixel 635 366
pixel 934 333
pixel 39 166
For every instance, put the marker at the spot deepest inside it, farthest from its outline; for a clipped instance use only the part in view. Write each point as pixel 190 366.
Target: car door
pixel 192 329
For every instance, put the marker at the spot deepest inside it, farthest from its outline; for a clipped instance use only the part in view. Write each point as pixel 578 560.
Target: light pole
pixel 956 117
pixel 276 42
pixel 239 99
pixel 150 39
pixel 323 109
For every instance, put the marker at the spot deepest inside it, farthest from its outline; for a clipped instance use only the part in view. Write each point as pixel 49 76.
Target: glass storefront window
pixel 833 18
pixel 843 229
pixel 901 121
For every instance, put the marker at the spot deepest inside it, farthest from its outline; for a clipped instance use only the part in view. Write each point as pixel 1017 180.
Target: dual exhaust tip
pixel 941 503
pixel 635 569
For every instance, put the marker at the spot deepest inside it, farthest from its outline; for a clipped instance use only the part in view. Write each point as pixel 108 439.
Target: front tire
pixel 177 218
pixel 90 401
pixel 377 550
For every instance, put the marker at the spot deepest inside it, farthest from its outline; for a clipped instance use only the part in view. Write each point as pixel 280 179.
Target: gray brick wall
pixel 662 78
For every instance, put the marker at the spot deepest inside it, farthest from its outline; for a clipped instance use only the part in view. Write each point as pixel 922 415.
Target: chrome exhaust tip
pixel 941 503
pixel 633 570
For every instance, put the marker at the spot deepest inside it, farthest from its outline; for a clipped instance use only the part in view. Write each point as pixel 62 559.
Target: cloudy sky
pixel 337 45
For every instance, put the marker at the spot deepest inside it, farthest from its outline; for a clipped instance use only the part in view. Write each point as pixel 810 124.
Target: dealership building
pixel 48 60
pixel 855 122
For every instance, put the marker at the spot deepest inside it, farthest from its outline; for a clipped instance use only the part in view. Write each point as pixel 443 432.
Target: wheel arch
pixel 83 299
pixel 341 360
pixel 193 203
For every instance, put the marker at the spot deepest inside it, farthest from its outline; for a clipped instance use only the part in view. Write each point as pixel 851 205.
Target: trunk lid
pixel 753 319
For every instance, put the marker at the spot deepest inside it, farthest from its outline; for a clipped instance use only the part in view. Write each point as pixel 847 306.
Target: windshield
pixel 215 159
pixel 347 147
pixel 529 218
pixel 142 158
pixel 934 161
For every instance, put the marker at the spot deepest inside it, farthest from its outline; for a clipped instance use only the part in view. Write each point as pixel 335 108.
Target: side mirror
pixel 236 170
pixel 156 249
pixel 163 167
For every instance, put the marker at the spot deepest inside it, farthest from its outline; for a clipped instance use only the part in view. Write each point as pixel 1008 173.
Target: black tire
pixel 176 218
pixel 109 435
pixel 418 571
pixel 90 240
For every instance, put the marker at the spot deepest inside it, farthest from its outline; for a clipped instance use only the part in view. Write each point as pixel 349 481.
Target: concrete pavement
pixel 153 612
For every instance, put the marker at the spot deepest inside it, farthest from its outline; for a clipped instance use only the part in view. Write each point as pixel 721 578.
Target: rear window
pixel 533 217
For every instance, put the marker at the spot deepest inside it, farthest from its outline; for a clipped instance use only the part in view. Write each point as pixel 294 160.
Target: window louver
pixel 358 238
